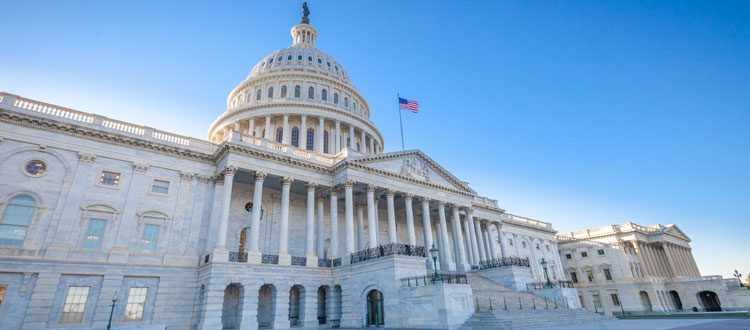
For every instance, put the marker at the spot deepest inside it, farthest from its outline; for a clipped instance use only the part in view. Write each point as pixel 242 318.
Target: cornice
pixel 291 74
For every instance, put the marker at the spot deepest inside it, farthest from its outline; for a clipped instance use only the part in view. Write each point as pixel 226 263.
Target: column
pixel 220 251
pixel 377 221
pixel 349 213
pixel 319 135
pixel 670 261
pixel 470 252
pixel 177 237
pixel 643 255
pixel 463 264
pixel 480 241
pixel 426 224
pixel 303 135
pixel 448 261
pixel 391 216
pixel 253 254
pixel 362 147
pixel 371 221
pixel 267 128
pixel 285 134
pixel 334 195
pixel 281 307
pixel 309 308
pixel 474 243
pixel 490 253
pixel 410 219
pixel 501 241
pixel 491 239
pixel 361 226
pixel 284 257
pixel 321 227
pixel 351 143
pixel 251 127
pixel 337 144
pixel 372 146
pixel 312 260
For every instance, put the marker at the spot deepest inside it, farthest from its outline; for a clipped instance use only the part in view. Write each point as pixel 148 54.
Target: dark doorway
pixel 709 301
pixel 374 309
pixel 676 299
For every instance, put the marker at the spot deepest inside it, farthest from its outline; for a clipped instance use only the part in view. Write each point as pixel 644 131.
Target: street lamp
pixel 111 311
pixel 434 252
pixel 544 266
pixel 738 276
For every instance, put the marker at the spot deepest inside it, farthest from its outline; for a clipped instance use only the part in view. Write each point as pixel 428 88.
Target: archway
pixel 646 302
pixel 709 301
pixel 322 316
pixel 294 305
pixel 374 317
pixel 231 310
pixel 266 301
pixel 676 299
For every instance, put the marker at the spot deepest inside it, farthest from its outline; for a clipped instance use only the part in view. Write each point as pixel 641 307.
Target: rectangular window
pixel 160 187
pixel 510 242
pixel 607 274
pixel 600 252
pixel 109 179
pixel 568 256
pixel 3 289
pixel 584 254
pixel 148 239
pixel 590 275
pixel 537 246
pixel 75 304
pixel 597 301
pixel 92 241
pixel 615 299
pixel 574 277
pixel 580 298
pixel 136 303
pixel 547 247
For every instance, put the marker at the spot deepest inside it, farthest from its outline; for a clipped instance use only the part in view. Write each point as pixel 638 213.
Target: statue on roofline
pixel 305 13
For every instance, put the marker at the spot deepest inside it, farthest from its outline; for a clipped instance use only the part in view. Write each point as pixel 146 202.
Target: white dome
pixel 308 59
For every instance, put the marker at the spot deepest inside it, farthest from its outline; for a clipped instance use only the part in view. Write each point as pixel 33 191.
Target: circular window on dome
pixel 299 57
pixel 337 68
pixel 309 58
pixel 270 61
pixel 263 64
pixel 289 58
pixel 329 64
pixel 279 59
pixel 36 167
pixel 320 61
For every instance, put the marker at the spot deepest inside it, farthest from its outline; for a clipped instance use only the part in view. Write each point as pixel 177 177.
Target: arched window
pixel 257 95
pixel 348 142
pixel 283 91
pixel 270 92
pixel 279 134
pixel 358 146
pixel 354 106
pixel 16 220
pixel 310 139
pixel 346 102
pixel 297 91
pixel 336 98
pixel 324 95
pixel 311 93
pixel 325 142
pixel 295 137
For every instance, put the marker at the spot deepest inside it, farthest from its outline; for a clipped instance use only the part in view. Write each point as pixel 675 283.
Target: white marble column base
pixel 463 267
pixel 220 254
pixel 255 257
pixel 312 262
pixel 285 259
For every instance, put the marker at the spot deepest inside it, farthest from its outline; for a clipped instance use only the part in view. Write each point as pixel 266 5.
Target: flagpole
pixel 401 123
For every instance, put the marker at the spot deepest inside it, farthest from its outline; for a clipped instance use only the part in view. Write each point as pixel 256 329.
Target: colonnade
pixel 667 260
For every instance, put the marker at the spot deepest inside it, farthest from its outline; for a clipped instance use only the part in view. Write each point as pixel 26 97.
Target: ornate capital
pixel 219 179
pixel 259 176
pixel 311 186
pixel 425 199
pixel 286 181
pixel 84 158
pixel 320 197
pixel 389 193
pixel 202 178
pixel 230 170
pixel 441 204
pixel 469 210
pixel 370 188
pixel 359 203
pixel 139 168
pixel 408 197
pixel 349 184
pixel 187 176
pixel 333 191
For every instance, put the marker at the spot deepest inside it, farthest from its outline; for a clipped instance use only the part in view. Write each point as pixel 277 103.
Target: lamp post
pixel 111 311
pixel 738 276
pixel 544 266
pixel 434 252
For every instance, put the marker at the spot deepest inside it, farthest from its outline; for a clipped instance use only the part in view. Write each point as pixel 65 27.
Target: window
pixel 16 220
pixel 110 179
pixel 336 98
pixel 348 142
pixel 289 58
pixel 320 61
pixel 257 95
pixel 92 241
pixel 346 102
pixel 311 93
pixel 325 142
pixel 309 58
pixel 283 91
pixel 537 246
pixel 297 91
pixel 337 68
pixel 358 149
pixel 600 252
pixel 270 61
pixel 299 57
pixel 295 137
pixel 3 289
pixel 36 167
pixel 584 254
pixel 148 239
pixel 568 256
pixel 75 304
pixel 574 277
pixel 249 207
pixel 607 274
pixel 597 301
pixel 280 134
pixel 329 64
pixel 324 95
pixel 279 59
pixel 160 187
pixel 270 92
pixel 580 298
pixel 524 244
pixel 590 275
pixel 136 303
pixel 354 106
pixel 510 241
pixel 615 299
pixel 310 139
pixel 547 247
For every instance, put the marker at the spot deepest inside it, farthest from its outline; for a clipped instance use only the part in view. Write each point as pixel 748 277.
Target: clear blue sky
pixel 579 113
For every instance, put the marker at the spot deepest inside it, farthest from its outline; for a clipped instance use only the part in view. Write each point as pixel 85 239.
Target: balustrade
pixel 504 262
pixel 386 250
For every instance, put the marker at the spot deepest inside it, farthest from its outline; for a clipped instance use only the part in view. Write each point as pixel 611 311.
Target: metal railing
pixel 237 257
pixel 504 262
pixel 333 262
pixel 543 285
pixel 270 259
pixel 386 250
pixel 518 302
pixel 443 277
pixel 299 261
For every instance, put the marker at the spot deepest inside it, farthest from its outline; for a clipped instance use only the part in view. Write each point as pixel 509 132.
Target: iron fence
pixel 237 257
pixel 504 262
pixel 443 277
pixel 543 285
pixel 386 250
pixel 299 261
pixel 333 262
pixel 270 259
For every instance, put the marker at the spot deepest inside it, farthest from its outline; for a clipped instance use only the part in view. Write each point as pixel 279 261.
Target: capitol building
pixel 291 215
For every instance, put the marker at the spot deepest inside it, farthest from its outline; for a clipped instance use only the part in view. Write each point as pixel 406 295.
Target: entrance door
pixel 374 309
pixel 710 301
pixel 646 302
pixel 676 299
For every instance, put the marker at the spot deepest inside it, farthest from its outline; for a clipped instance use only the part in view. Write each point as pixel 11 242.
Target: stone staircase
pixel 500 307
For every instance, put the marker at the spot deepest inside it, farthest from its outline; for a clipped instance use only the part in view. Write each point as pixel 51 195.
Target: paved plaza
pixel 659 324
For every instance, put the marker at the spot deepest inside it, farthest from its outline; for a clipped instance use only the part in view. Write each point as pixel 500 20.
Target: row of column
pixel 667 260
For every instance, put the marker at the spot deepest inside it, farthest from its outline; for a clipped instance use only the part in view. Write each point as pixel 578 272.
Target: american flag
pixel 408 105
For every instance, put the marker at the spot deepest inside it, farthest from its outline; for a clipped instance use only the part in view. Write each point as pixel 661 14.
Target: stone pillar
pixel 391 216
pixel 351 143
pixel 303 133
pixel 362 147
pixel 220 252
pixel 410 219
pixel 198 206
pixel 371 220
pixel 284 257
pixel 309 309
pixel 427 225
pixel 321 227
pixel 253 254
pixel 463 264
pixel 213 302
pixel 281 308
pixel 671 264
pixel 285 134
pixel 249 312
pixel 474 243
pixel 349 214
pixel 319 135
pixel 480 241
pixel 251 127
pixel 175 248
pixel 448 261
pixel 491 240
pixel 334 226
pixel 372 146
pixel 377 221
pixel 470 252
pixel 501 241
pixel 268 134
pixel 111 284
pixel 312 260
pixel 360 225
pixel 337 142
pixel 120 251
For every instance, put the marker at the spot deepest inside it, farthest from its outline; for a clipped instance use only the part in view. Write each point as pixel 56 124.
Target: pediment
pixel 416 165
pixel 675 231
